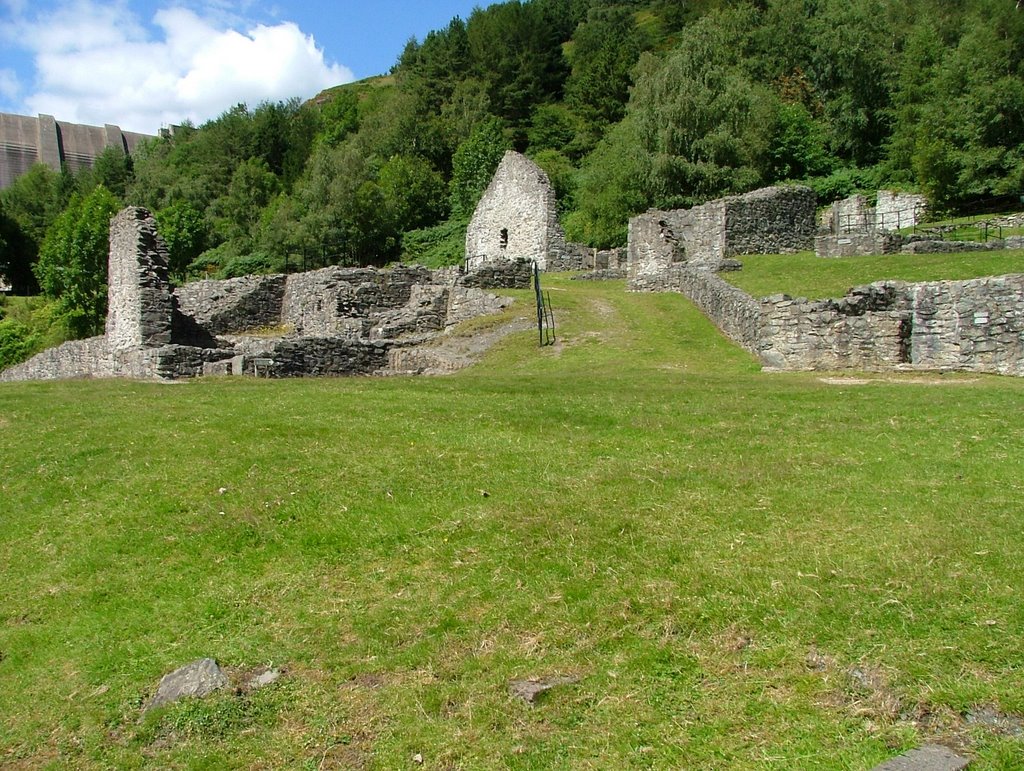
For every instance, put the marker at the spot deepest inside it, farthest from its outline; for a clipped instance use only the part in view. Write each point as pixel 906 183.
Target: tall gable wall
pixel 517 217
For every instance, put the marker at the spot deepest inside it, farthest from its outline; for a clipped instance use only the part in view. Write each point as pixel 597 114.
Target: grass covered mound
pixel 740 570
pixel 805 275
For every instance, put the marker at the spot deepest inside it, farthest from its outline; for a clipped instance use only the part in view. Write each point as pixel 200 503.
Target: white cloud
pixel 98 64
pixel 10 87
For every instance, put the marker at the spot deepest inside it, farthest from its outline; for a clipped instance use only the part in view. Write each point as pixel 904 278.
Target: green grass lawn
pixel 743 570
pixel 805 275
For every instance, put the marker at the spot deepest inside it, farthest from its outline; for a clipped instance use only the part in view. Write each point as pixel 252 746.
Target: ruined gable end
pixel 517 217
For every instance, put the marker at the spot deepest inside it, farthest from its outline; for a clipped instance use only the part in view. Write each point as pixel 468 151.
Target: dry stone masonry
pixel 334 321
pixel 766 221
pixel 853 227
pixel 973 326
pixel 517 217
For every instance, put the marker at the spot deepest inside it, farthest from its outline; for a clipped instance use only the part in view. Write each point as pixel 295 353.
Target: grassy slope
pixel 804 275
pixel 680 531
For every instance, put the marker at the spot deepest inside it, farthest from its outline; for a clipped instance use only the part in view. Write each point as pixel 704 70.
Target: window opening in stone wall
pixel 504 238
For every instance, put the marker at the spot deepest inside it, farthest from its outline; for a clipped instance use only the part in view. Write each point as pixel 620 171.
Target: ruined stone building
pixel 853 226
pixel 334 321
pixel 517 218
pixel 767 221
pixel 26 141
pixel 975 325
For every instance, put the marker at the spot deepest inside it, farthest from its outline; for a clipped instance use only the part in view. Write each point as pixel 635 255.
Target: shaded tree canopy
pixel 626 104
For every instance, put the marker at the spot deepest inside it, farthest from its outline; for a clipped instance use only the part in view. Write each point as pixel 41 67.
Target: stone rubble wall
pixel 604 274
pixel 773 220
pixel 232 305
pixel 503 274
pixel 950 247
pixel 575 257
pixel 425 311
pixel 140 309
pixel 768 221
pixel 520 203
pixel 317 356
pixel 731 309
pixel 467 302
pixel 320 303
pixel 866 330
pixel 975 325
pixel 579 257
pixel 863 244
pixel 77 358
pixel 857 244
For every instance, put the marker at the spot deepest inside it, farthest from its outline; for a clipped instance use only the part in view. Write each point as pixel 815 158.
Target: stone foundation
pixel 973 326
pixel 335 321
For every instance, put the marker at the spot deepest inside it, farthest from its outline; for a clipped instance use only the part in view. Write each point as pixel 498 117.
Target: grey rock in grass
pixel 931 757
pixel 263 679
pixel 530 690
pixel 198 679
pixel 999 722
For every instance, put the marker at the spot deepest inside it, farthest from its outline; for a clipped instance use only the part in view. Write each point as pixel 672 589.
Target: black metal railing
pixel 327 254
pixel 545 314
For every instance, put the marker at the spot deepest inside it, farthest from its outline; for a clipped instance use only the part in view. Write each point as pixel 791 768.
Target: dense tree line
pixel 625 103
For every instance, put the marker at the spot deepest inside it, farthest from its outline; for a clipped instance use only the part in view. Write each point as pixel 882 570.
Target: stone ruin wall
pixel 767 221
pixel 517 217
pixel 579 257
pixel 975 325
pixel 855 228
pixel 773 220
pixel 894 211
pixel 140 309
pixel 331 321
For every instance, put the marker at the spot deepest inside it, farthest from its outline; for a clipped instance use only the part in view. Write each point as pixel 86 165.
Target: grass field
pixel 786 571
pixel 805 275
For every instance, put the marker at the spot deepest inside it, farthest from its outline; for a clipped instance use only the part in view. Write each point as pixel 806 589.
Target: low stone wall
pixel 857 244
pixel 868 329
pixel 504 274
pixel 607 274
pixel 975 325
pixel 77 358
pixel 305 356
pixel 575 257
pixel 950 247
pixel 579 257
pixel 731 309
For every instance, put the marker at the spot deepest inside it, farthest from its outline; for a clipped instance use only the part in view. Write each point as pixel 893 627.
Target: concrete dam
pixel 25 141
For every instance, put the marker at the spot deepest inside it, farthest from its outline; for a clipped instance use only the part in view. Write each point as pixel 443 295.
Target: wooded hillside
pixel 625 104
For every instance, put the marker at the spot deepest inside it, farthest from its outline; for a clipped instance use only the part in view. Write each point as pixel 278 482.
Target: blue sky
pixel 142 64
